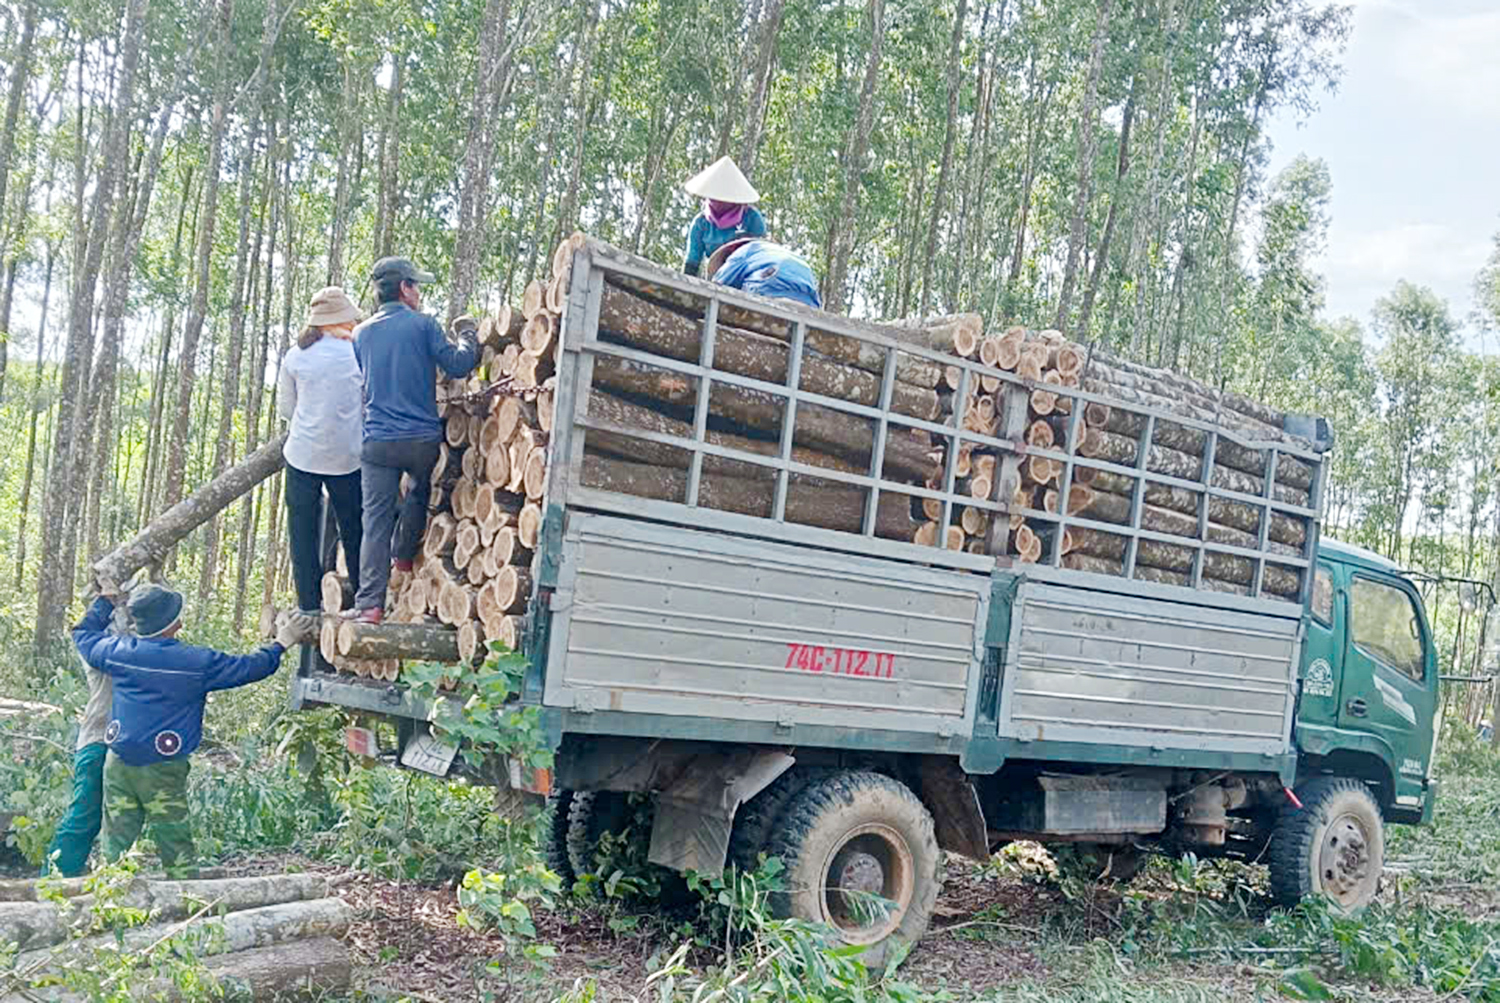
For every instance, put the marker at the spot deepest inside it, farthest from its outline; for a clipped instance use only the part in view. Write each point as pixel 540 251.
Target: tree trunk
pixel 855 155
pixel 1087 145
pixel 568 213
pixel 20 77
pixel 198 311
pixel 940 193
pixel 36 405
pixel 59 536
pixel 765 60
pixel 1101 256
pixel 152 544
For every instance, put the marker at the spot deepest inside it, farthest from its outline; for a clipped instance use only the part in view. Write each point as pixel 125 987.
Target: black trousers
pixel 391 522
pixel 303 493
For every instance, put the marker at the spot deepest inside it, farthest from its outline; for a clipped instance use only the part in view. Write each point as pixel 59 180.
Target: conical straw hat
pixel 723 182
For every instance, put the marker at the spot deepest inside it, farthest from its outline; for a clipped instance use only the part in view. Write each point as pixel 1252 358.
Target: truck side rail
pixel 581 345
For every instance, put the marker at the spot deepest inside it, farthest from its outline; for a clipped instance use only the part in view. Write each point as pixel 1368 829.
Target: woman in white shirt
pixel 320 395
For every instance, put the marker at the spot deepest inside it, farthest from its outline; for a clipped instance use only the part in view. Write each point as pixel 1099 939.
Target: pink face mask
pixel 724 215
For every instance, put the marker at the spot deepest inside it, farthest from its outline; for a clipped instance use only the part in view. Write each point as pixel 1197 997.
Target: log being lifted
pixel 832 506
pixel 151 544
pixel 643 324
pixel 839 433
pixel 429 642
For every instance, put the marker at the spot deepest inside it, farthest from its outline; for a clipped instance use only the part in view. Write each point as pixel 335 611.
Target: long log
pixel 1105 566
pixel 645 325
pixel 151 544
pixel 607 407
pixel 834 506
pixel 38 924
pixel 1285 529
pixel 845 435
pixel 1289 470
pixel 1249 408
pixel 397 640
pixel 239 931
pixel 1122 450
pixel 301 969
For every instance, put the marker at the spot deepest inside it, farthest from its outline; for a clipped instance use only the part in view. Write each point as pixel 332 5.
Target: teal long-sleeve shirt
pixel 704 238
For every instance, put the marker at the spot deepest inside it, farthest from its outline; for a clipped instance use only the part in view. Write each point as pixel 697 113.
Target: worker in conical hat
pixel 727 211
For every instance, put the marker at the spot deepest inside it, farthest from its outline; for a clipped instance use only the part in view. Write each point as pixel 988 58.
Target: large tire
pixel 756 820
pixel 555 852
pixel 591 814
pixel 1333 846
pixel 861 857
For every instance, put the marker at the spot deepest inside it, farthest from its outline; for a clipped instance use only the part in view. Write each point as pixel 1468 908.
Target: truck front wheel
pixel 1333 846
pixel 861 857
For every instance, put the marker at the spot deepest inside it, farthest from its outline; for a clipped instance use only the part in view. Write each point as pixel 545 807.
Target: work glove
pixel 295 630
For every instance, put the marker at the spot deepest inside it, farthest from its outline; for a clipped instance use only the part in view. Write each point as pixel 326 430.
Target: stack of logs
pixel 473 573
pixel 275 936
pixel 667 322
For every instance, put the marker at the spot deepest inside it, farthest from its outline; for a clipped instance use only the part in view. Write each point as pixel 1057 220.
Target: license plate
pixel 429 754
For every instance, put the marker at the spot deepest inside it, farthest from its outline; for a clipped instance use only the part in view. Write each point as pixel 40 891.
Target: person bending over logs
pixel 765 268
pixel 156 718
pixel 320 395
pixel 727 212
pixel 399 350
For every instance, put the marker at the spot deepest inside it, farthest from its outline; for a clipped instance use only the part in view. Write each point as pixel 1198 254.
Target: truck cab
pixel 1368 703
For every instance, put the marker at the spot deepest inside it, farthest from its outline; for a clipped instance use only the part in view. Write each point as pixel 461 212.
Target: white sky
pixel 1412 139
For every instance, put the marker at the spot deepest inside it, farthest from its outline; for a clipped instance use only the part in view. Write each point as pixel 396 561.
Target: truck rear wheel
pixel 555 852
pixel 1333 846
pixel 757 818
pixel 861 857
pixel 590 815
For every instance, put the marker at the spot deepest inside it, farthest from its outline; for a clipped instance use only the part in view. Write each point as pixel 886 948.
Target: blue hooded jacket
pixel 160 685
pixel 768 269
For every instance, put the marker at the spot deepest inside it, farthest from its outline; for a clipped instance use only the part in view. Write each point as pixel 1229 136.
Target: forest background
pixel 177 178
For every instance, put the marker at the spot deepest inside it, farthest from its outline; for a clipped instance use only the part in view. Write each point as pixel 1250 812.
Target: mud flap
pixel 695 813
pixel 956 814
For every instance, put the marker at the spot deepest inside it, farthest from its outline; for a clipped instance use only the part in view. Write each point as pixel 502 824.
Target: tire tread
pixel 1292 839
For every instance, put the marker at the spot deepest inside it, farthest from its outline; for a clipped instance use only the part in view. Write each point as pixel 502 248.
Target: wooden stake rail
pixel 740 386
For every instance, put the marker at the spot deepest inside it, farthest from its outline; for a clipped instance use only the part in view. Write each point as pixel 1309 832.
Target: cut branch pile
pixel 260 936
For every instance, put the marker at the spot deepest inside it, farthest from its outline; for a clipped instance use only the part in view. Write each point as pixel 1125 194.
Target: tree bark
pixel 20 77
pixel 1087 144
pixel 1285 529
pixel 152 544
pixel 36 406
pixel 855 155
pixel 765 60
pixel 474 193
pixel 1101 255
pixel 940 193
pixel 835 507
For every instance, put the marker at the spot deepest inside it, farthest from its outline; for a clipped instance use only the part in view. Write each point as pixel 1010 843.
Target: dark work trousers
pixel 389 522
pixel 303 492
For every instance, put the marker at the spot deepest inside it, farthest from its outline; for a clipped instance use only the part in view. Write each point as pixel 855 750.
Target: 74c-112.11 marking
pixel 840 661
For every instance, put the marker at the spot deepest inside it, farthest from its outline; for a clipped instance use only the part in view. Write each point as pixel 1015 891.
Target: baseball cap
pixel 399 268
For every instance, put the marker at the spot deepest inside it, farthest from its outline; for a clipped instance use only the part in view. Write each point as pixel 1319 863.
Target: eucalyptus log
pixel 607 407
pixel 831 506
pixel 428 642
pixel 1291 472
pixel 1122 450
pixel 529 525
pixel 1285 529
pixel 846 435
pixel 1252 409
pixel 151 544
pixel 1105 566
pixel 645 325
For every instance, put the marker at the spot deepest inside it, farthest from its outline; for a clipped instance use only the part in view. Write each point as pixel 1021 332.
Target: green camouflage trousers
pixel 136 795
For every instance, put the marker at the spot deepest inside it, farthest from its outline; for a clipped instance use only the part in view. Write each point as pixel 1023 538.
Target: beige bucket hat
pixel 332 306
pixel 722 181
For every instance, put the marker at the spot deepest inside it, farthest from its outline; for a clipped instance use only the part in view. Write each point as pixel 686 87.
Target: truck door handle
pixel 1356 707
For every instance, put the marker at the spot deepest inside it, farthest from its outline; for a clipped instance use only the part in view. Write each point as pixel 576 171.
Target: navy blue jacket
pixel 769 269
pixel 160 685
pixel 399 351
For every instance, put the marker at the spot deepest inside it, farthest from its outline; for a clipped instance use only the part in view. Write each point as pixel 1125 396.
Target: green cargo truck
pixel 856 705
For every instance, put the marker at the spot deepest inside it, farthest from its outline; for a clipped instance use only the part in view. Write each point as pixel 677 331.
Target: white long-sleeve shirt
pixel 321 394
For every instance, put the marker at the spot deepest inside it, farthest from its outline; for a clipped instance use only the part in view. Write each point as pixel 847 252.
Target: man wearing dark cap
pixel 156 720
pixel 400 350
